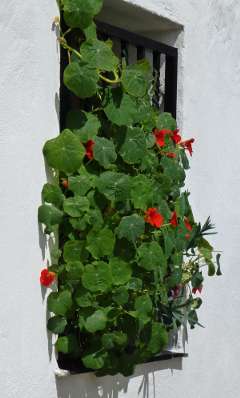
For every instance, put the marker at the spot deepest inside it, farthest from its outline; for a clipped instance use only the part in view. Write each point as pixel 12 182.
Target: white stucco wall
pixel 210 104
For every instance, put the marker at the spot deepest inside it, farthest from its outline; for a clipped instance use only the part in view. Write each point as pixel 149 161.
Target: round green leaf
pixel 143 304
pixel 121 271
pixel 81 79
pixel 76 206
pixel 52 194
pixel 110 340
pixel 131 227
pixel 134 147
pixel 60 303
pixel 57 324
pixel 84 298
pixel 91 32
pixel 74 271
pixel 121 296
pixel 120 108
pixel 67 344
pixel 100 243
pixel 115 186
pixel 99 55
pixel 136 78
pixel 64 153
pixel 151 257
pixel 81 184
pixel 84 124
pixel 166 121
pixel 97 277
pixel 104 151
pixel 159 338
pixel 80 13
pixel 94 360
pixel 73 250
pixel 97 321
pixel 141 192
pixel 49 215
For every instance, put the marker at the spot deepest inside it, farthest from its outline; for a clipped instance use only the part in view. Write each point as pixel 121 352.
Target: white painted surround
pixel 209 107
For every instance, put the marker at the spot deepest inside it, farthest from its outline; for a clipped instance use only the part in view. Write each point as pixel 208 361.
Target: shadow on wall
pixel 89 386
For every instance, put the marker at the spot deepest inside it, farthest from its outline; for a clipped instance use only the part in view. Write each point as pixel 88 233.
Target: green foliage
pixel 97 277
pixel 136 79
pixel 131 227
pixel 49 215
pixel 76 206
pixel 134 147
pixel 125 279
pixel 84 124
pixel 81 78
pixel 57 324
pixel 64 153
pixel 159 338
pixel 67 344
pixel 120 108
pixel 60 303
pixel 101 243
pixel 99 55
pixel 52 194
pixel 80 13
pixel 151 258
pixel 166 121
pixel 115 186
pixel 121 271
pixel 104 151
pixel 73 250
pixel 97 321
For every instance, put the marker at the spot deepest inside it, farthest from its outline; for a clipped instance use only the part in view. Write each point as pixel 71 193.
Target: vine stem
pixel 105 79
pixel 64 44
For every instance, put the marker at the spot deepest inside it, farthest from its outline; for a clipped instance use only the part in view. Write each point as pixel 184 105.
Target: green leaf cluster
pixel 117 272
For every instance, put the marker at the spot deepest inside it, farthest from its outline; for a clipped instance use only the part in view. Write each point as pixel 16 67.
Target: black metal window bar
pixel 164 62
pixel 162 58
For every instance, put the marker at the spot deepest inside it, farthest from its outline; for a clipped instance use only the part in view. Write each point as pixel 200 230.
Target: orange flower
pixel 153 217
pixel 188 226
pixel 176 137
pixel 171 155
pixel 65 183
pixel 47 277
pixel 89 149
pixel 160 136
pixel 174 221
pixel 188 145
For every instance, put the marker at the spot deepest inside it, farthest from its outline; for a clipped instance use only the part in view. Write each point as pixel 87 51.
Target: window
pixel 164 62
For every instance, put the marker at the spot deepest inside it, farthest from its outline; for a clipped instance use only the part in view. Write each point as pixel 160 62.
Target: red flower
pixel 89 149
pixel 188 145
pixel 154 218
pixel 47 277
pixel 176 137
pixel 173 220
pixel 188 226
pixel 160 136
pixel 65 184
pixel 171 155
pixel 197 289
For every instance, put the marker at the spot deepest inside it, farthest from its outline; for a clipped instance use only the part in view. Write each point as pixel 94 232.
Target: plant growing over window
pixel 131 253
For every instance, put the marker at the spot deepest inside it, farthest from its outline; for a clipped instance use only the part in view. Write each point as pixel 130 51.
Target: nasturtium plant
pixel 131 254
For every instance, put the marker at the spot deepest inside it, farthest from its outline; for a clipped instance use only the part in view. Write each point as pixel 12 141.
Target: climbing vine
pixel 131 254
